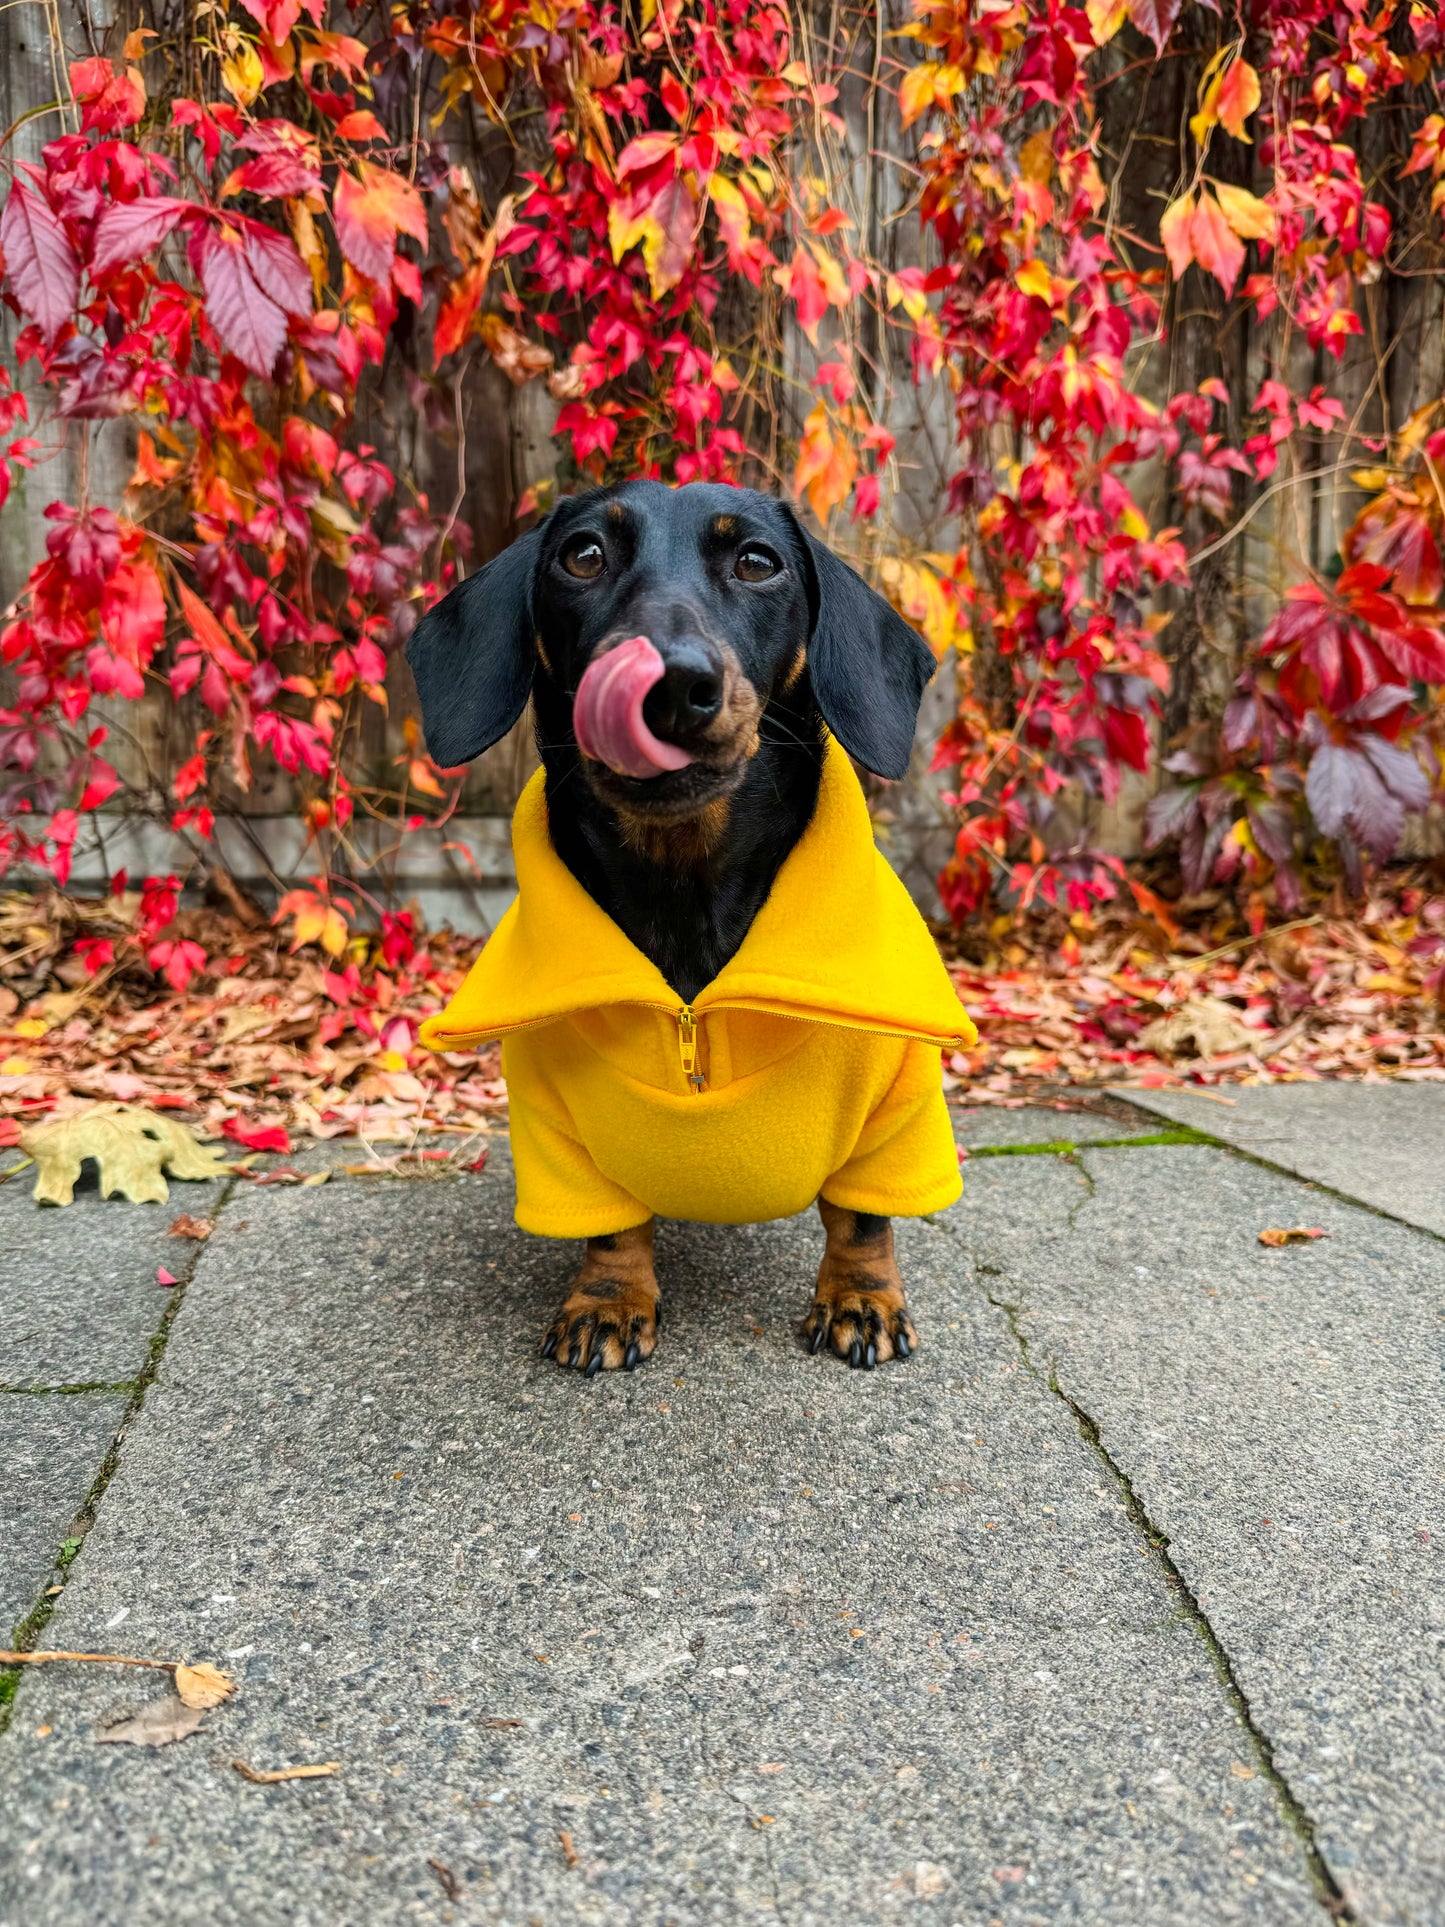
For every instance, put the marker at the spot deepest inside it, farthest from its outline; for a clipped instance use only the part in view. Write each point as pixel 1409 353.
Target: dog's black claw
pixel 549 1345
pixel 901 1345
pixel 855 1354
pixel 594 1363
pixel 818 1336
pixel 574 1351
pixel 870 1357
pixel 633 1354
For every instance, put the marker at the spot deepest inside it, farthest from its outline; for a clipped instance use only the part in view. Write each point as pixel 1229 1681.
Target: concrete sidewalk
pixel 1119 1602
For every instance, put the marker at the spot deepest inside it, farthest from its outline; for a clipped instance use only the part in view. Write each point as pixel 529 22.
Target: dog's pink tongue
pixel 607 712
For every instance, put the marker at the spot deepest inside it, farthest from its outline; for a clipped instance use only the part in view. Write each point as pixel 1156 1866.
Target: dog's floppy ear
pixel 868 668
pixel 473 656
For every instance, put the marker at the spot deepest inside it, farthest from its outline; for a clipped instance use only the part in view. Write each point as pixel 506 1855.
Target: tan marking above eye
pixel 617 512
pixel 725 525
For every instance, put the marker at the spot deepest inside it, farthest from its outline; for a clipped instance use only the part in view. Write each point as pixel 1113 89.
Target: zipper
pixel 687 1049
pixel 688 1020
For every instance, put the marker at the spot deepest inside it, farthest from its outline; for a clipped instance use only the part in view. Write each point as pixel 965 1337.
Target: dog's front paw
pixel 607 1325
pixel 862 1323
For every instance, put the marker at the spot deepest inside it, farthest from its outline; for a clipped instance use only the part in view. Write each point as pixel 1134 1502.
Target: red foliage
pixel 231 270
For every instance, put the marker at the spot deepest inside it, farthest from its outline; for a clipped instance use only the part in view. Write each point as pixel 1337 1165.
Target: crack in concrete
pixel 1293 1810
pixel 1311 1184
pixel 28 1630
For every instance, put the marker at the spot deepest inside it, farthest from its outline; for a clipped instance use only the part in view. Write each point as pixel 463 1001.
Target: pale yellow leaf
pixel 242 75
pixel 132 1148
pixel 1251 218
pixel 203 1685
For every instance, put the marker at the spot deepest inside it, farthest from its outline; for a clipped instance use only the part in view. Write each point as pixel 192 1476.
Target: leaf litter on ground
pixel 1299 1234
pixel 197 1687
pixel 273 1046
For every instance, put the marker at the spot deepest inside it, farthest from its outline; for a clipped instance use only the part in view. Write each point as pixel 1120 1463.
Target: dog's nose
pixel 689 695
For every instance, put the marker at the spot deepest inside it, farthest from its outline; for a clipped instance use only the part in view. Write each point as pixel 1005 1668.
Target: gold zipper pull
pixel 687 1047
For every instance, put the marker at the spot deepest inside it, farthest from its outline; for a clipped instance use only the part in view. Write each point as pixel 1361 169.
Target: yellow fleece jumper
pixel 809 1065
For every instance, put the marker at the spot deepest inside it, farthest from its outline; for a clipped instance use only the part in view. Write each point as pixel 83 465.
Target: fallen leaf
pixel 203 1684
pixel 160 1723
pixel 164 1277
pixel 1297 1235
pixel 569 1852
pixel 1203 1027
pixel 273 1776
pixel 1241 1772
pixel 131 1146
pixel 501 1725
pixel 185 1226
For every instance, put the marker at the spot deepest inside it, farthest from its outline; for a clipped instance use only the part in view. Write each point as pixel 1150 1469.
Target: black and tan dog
pixel 715 999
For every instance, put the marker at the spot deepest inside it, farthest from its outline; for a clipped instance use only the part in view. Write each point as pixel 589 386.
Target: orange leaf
pixel 1298 1235
pixel 360 125
pixel 915 95
pixel 371 207
pixel 1216 247
pixel 1238 97
pixel 1174 229
pixel 458 310
pixel 827 465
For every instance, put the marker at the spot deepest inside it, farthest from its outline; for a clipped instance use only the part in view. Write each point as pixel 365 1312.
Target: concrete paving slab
pixel 50 1450
pixel 80 1303
pixel 1278 1415
pixel 1381 1143
pixel 741 1637
pixel 989 1125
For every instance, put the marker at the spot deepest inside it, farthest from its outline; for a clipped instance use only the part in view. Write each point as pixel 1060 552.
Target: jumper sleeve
pixel 905 1162
pixel 560 1191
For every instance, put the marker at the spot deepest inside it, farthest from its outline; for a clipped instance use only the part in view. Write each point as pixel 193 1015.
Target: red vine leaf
pixel 278 269
pixel 1155 18
pixel 248 321
pixel 129 230
pixel 40 261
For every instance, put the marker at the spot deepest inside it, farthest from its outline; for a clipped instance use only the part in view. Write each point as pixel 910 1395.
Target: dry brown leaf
pixel 1297 1235
pixel 203 1685
pixel 244 1020
pixel 569 1851
pixel 131 1146
pixel 159 1723
pixel 273 1776
pixel 1204 1027
pixel 185 1226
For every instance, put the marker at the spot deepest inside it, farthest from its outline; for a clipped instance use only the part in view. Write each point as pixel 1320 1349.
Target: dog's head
pixel 659 624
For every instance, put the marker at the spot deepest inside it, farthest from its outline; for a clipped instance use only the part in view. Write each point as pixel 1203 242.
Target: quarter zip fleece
pixel 810 1064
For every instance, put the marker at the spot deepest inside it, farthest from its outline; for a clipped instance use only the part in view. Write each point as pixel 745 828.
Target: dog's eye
pixel 756 565
pixel 583 558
